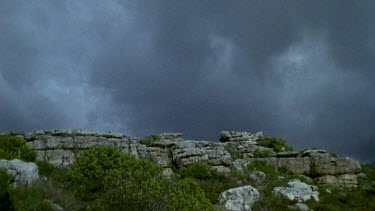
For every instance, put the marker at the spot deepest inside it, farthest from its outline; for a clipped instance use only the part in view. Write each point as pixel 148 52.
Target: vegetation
pixel 212 182
pixel 106 178
pixel 278 144
pixel 14 148
pixel 149 139
pixel 261 153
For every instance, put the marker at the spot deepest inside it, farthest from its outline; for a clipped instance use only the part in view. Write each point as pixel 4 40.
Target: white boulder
pixel 22 173
pixel 239 199
pixel 298 190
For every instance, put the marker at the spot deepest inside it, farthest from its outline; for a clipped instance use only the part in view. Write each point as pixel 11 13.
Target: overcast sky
pixel 302 70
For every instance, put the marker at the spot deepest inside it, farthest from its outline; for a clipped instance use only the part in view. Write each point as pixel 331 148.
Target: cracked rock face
pixel 236 151
pixel 239 199
pixel 297 190
pixel 22 173
pixel 232 136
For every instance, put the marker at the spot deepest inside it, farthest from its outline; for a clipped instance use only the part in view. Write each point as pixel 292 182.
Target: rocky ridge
pixel 234 151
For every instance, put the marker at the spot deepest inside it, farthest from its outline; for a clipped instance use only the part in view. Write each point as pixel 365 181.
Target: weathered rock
pixel 232 136
pixel 167 172
pixel 241 198
pixel 299 165
pixel 188 152
pixel 342 181
pixel 325 164
pixel 299 206
pixel 257 177
pixel 297 190
pixel 171 136
pixel 61 147
pixel 22 173
pixel 54 206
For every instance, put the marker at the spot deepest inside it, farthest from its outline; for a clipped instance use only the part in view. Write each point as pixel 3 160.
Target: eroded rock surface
pixel 297 190
pixel 22 173
pixel 234 151
pixel 239 199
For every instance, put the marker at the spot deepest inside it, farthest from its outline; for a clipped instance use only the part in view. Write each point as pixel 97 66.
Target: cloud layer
pixel 302 70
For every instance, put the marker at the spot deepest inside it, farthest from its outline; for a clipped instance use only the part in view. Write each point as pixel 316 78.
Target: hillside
pixel 266 165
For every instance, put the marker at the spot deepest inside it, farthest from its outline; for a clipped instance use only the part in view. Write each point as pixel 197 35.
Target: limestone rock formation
pixel 235 151
pixel 297 190
pixel 342 181
pixel 239 199
pixel 22 173
pixel 232 136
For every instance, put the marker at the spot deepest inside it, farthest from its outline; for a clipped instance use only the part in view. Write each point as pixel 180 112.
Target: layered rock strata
pixel 234 151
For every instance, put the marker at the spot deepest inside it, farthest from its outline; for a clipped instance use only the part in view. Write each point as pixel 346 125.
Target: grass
pixel 149 139
pixel 278 144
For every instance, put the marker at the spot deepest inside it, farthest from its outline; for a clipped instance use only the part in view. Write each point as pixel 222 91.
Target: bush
pixel 5 203
pixel 14 148
pixel 199 171
pixel 138 187
pixel 368 184
pixel 88 173
pixel 187 195
pixel 45 168
pixel 263 166
pixel 149 139
pixel 261 153
pixel 116 180
pixel 278 144
pixel 28 198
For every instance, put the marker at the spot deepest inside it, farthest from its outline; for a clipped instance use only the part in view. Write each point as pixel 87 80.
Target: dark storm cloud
pixel 302 70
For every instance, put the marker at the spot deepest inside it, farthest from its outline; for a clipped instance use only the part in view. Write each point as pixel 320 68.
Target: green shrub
pixel 199 171
pixel 149 139
pixel 187 195
pixel 12 147
pixel 239 175
pixel 333 154
pixel 45 168
pixel 138 187
pixel 28 198
pixel 368 184
pixel 212 182
pixel 278 144
pixel 261 153
pixel 87 174
pixel 117 181
pixel 263 166
pixel 5 203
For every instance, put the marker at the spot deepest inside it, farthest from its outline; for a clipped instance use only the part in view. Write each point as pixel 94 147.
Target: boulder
pixel 299 206
pixel 22 173
pixel 257 177
pixel 297 190
pixel 239 199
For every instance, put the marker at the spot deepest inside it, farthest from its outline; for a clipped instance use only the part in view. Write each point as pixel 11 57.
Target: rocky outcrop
pixel 297 190
pixel 234 151
pixel 22 173
pixel 239 199
pixel 341 181
pixel 232 136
